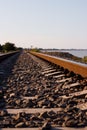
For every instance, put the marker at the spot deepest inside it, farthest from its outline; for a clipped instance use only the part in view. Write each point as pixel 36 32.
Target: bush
pixel 0 48
pixel 35 49
pixel 85 59
pixel 8 47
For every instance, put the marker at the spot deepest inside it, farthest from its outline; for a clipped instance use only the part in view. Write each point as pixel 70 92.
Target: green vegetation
pixel 0 48
pixel 85 59
pixel 35 49
pixel 7 47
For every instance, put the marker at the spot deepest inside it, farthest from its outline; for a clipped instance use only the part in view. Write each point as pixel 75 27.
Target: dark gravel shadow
pixel 5 71
pixel 56 129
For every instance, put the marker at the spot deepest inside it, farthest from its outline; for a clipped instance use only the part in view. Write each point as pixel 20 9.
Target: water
pixel 78 53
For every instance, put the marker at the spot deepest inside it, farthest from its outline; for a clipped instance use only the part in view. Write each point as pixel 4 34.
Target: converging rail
pixel 6 55
pixel 75 67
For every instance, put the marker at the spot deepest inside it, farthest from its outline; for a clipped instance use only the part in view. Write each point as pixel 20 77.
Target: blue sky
pixel 44 23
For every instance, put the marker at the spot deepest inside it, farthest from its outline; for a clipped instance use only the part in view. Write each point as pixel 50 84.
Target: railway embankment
pixel 37 94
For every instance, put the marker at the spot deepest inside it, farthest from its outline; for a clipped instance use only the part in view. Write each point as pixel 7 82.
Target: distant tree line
pixel 8 47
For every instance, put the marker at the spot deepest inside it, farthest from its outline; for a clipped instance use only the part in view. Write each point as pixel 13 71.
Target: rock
pixel 46 126
pixel 30 103
pixel 3 113
pixel 16 117
pixel 21 124
pixel 52 114
pixel 44 115
pixel 72 109
pixel 82 124
pixel 6 122
pixel 73 102
pixel 22 77
pixel 71 122
pixel 85 96
pixel 18 101
pixel 44 107
pixel 27 124
pixel 34 117
pixel 12 95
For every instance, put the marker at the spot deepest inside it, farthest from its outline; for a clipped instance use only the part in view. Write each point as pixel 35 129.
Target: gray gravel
pixel 23 78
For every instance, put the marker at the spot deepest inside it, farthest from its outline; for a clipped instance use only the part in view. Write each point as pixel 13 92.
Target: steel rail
pixel 71 66
pixel 6 55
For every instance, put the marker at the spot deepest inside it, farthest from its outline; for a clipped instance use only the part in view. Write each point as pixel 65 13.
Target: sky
pixel 60 24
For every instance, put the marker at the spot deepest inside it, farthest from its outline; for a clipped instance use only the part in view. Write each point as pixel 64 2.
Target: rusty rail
pixel 76 68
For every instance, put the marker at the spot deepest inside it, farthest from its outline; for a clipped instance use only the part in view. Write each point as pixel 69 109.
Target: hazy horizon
pixel 60 24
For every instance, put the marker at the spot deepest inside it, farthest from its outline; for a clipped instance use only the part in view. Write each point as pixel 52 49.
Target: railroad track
pixel 41 94
pixel 7 55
